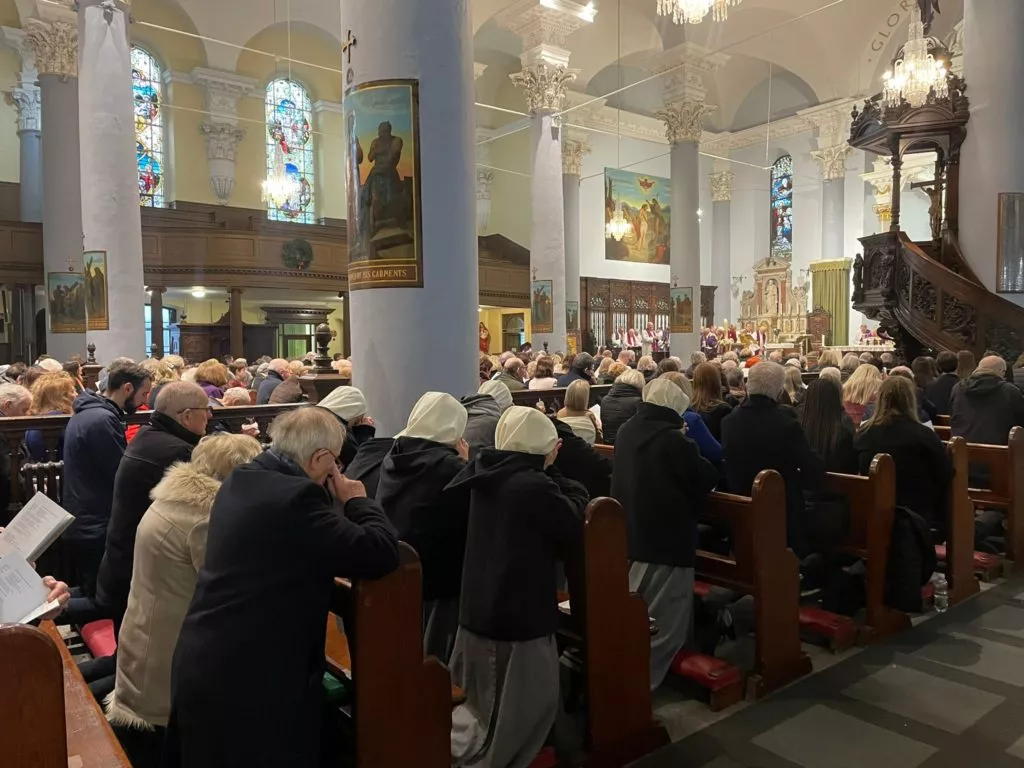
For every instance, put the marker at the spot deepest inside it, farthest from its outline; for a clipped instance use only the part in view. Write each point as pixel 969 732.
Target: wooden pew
pixel 942 421
pixel 554 398
pixel 393 684
pixel 763 566
pixel 959 548
pixel 31 700
pixel 1006 488
pixel 872 502
pixel 616 642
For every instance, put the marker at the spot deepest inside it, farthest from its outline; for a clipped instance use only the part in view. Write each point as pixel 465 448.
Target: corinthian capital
pixel 221 140
pixel 27 100
pixel 721 186
pixel 573 151
pixel 55 45
pixel 545 85
pixel 832 161
pixel 684 121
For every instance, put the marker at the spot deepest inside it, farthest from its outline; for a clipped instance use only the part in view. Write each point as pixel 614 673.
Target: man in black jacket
pixel 621 403
pixel 940 391
pixel 760 435
pixel 94 443
pixel 282 527
pixel 659 479
pixel 581 370
pixel 985 406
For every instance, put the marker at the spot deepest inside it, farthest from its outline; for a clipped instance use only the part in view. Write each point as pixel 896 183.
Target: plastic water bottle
pixel 941 593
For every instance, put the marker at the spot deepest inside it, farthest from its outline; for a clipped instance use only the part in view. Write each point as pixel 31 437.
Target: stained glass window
pixel 149 127
pixel 782 208
pixel 290 140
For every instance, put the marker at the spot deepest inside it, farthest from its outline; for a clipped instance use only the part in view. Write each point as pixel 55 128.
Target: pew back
pixel 872 501
pixel 960 526
pixel 555 398
pixel 392 682
pixel 31 700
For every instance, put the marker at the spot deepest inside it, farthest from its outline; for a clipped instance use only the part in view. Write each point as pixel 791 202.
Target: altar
pixel 775 304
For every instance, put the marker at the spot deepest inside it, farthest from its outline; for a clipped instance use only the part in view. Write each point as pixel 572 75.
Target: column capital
pixel 56 46
pixel 27 100
pixel 832 161
pixel 684 121
pixel 18 41
pixel 223 90
pixel 539 23
pixel 685 66
pixel 545 85
pixel 221 140
pixel 478 70
pixel 573 151
pixel 831 121
pixel 721 186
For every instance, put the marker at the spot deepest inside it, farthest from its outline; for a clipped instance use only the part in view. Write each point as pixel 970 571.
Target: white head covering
pixel 525 430
pixel 666 394
pixel 50 365
pixel 346 403
pixel 436 416
pixel 499 391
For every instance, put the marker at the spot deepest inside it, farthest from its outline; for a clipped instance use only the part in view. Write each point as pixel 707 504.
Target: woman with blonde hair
pixel 213 376
pixel 794 386
pixel 707 400
pixel 52 394
pixel 577 415
pixel 647 367
pixel 860 390
pixel 602 375
pixel 922 469
pixel 170 548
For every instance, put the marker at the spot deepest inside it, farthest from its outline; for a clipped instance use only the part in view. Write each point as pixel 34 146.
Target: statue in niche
pixel 798 300
pixel 771 298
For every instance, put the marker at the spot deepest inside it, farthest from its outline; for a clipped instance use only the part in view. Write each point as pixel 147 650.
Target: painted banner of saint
pixel 542 306
pixel 681 310
pixel 65 292
pixel 94 265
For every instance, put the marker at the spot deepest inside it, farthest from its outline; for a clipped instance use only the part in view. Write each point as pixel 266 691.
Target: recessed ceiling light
pixel 198 292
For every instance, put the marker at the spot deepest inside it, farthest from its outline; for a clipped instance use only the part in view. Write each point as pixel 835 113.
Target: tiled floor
pixel 950 692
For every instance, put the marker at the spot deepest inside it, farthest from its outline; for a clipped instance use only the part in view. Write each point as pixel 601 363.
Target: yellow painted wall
pixel 10 66
pixel 492 317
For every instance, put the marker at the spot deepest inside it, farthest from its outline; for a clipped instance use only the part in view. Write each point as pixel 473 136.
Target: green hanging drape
pixel 830 290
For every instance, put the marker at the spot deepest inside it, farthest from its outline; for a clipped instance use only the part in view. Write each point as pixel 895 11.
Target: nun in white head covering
pixel 524 519
pixel 484 409
pixel 660 478
pixel 425 458
pixel 348 404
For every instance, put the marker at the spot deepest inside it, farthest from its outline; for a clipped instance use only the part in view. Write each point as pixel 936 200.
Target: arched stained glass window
pixel 147 87
pixel 782 208
pixel 290 141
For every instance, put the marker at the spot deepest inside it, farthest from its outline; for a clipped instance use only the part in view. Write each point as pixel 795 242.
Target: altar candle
pixel 823 339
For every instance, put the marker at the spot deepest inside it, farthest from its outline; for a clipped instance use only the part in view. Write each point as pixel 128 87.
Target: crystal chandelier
pixel 916 73
pixel 694 11
pixel 280 186
pixel 617 227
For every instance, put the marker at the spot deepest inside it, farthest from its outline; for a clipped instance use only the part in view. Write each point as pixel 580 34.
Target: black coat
pixel 580 461
pixel 761 435
pixel 713 419
pixel 267 387
pixel 365 466
pixel 94 443
pixel 940 392
pixel 985 408
pixel 523 520
pixel 659 478
pixel 432 520
pixel 246 679
pixel 354 438
pixel 568 378
pixel 922 468
pixel 617 408
pixel 155 448
pixel 843 458
pixel 482 414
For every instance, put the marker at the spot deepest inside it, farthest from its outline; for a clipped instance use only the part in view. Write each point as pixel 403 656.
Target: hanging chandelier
pixel 280 186
pixel 916 72
pixel 694 11
pixel 617 227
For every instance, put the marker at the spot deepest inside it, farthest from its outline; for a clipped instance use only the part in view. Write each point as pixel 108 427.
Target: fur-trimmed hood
pixel 182 484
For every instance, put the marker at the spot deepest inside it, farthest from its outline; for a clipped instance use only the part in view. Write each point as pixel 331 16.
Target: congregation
pixel 189 533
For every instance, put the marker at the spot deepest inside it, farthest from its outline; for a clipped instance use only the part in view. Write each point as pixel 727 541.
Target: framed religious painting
pixel 681 310
pixel 97 308
pixel 65 296
pixel 385 221
pixel 572 317
pixel 542 306
pixel 642 204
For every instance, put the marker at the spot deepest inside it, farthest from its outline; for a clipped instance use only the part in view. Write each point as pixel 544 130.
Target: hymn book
pixel 39 523
pixel 22 592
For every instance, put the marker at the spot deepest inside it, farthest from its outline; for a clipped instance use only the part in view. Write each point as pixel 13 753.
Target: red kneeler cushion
pixel 99 637
pixel 982 560
pixel 546 759
pixel 701 588
pixel 824 623
pixel 707 671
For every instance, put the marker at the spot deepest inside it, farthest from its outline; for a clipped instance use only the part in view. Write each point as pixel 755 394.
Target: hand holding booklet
pixel 22 592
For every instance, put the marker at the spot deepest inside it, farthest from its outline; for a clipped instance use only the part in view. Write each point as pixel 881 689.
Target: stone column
pixel 110 187
pixel 721 238
pixel 25 96
pixel 484 181
pixel 156 322
pixel 572 166
pixel 55 43
pixel 220 130
pixel 394 324
pixel 832 163
pixel 235 319
pixel 544 78
pixel 992 161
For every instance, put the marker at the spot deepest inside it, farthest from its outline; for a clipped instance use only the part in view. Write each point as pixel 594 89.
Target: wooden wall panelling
pixel 21 253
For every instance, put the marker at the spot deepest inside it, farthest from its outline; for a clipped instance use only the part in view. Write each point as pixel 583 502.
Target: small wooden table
pixel 91 742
